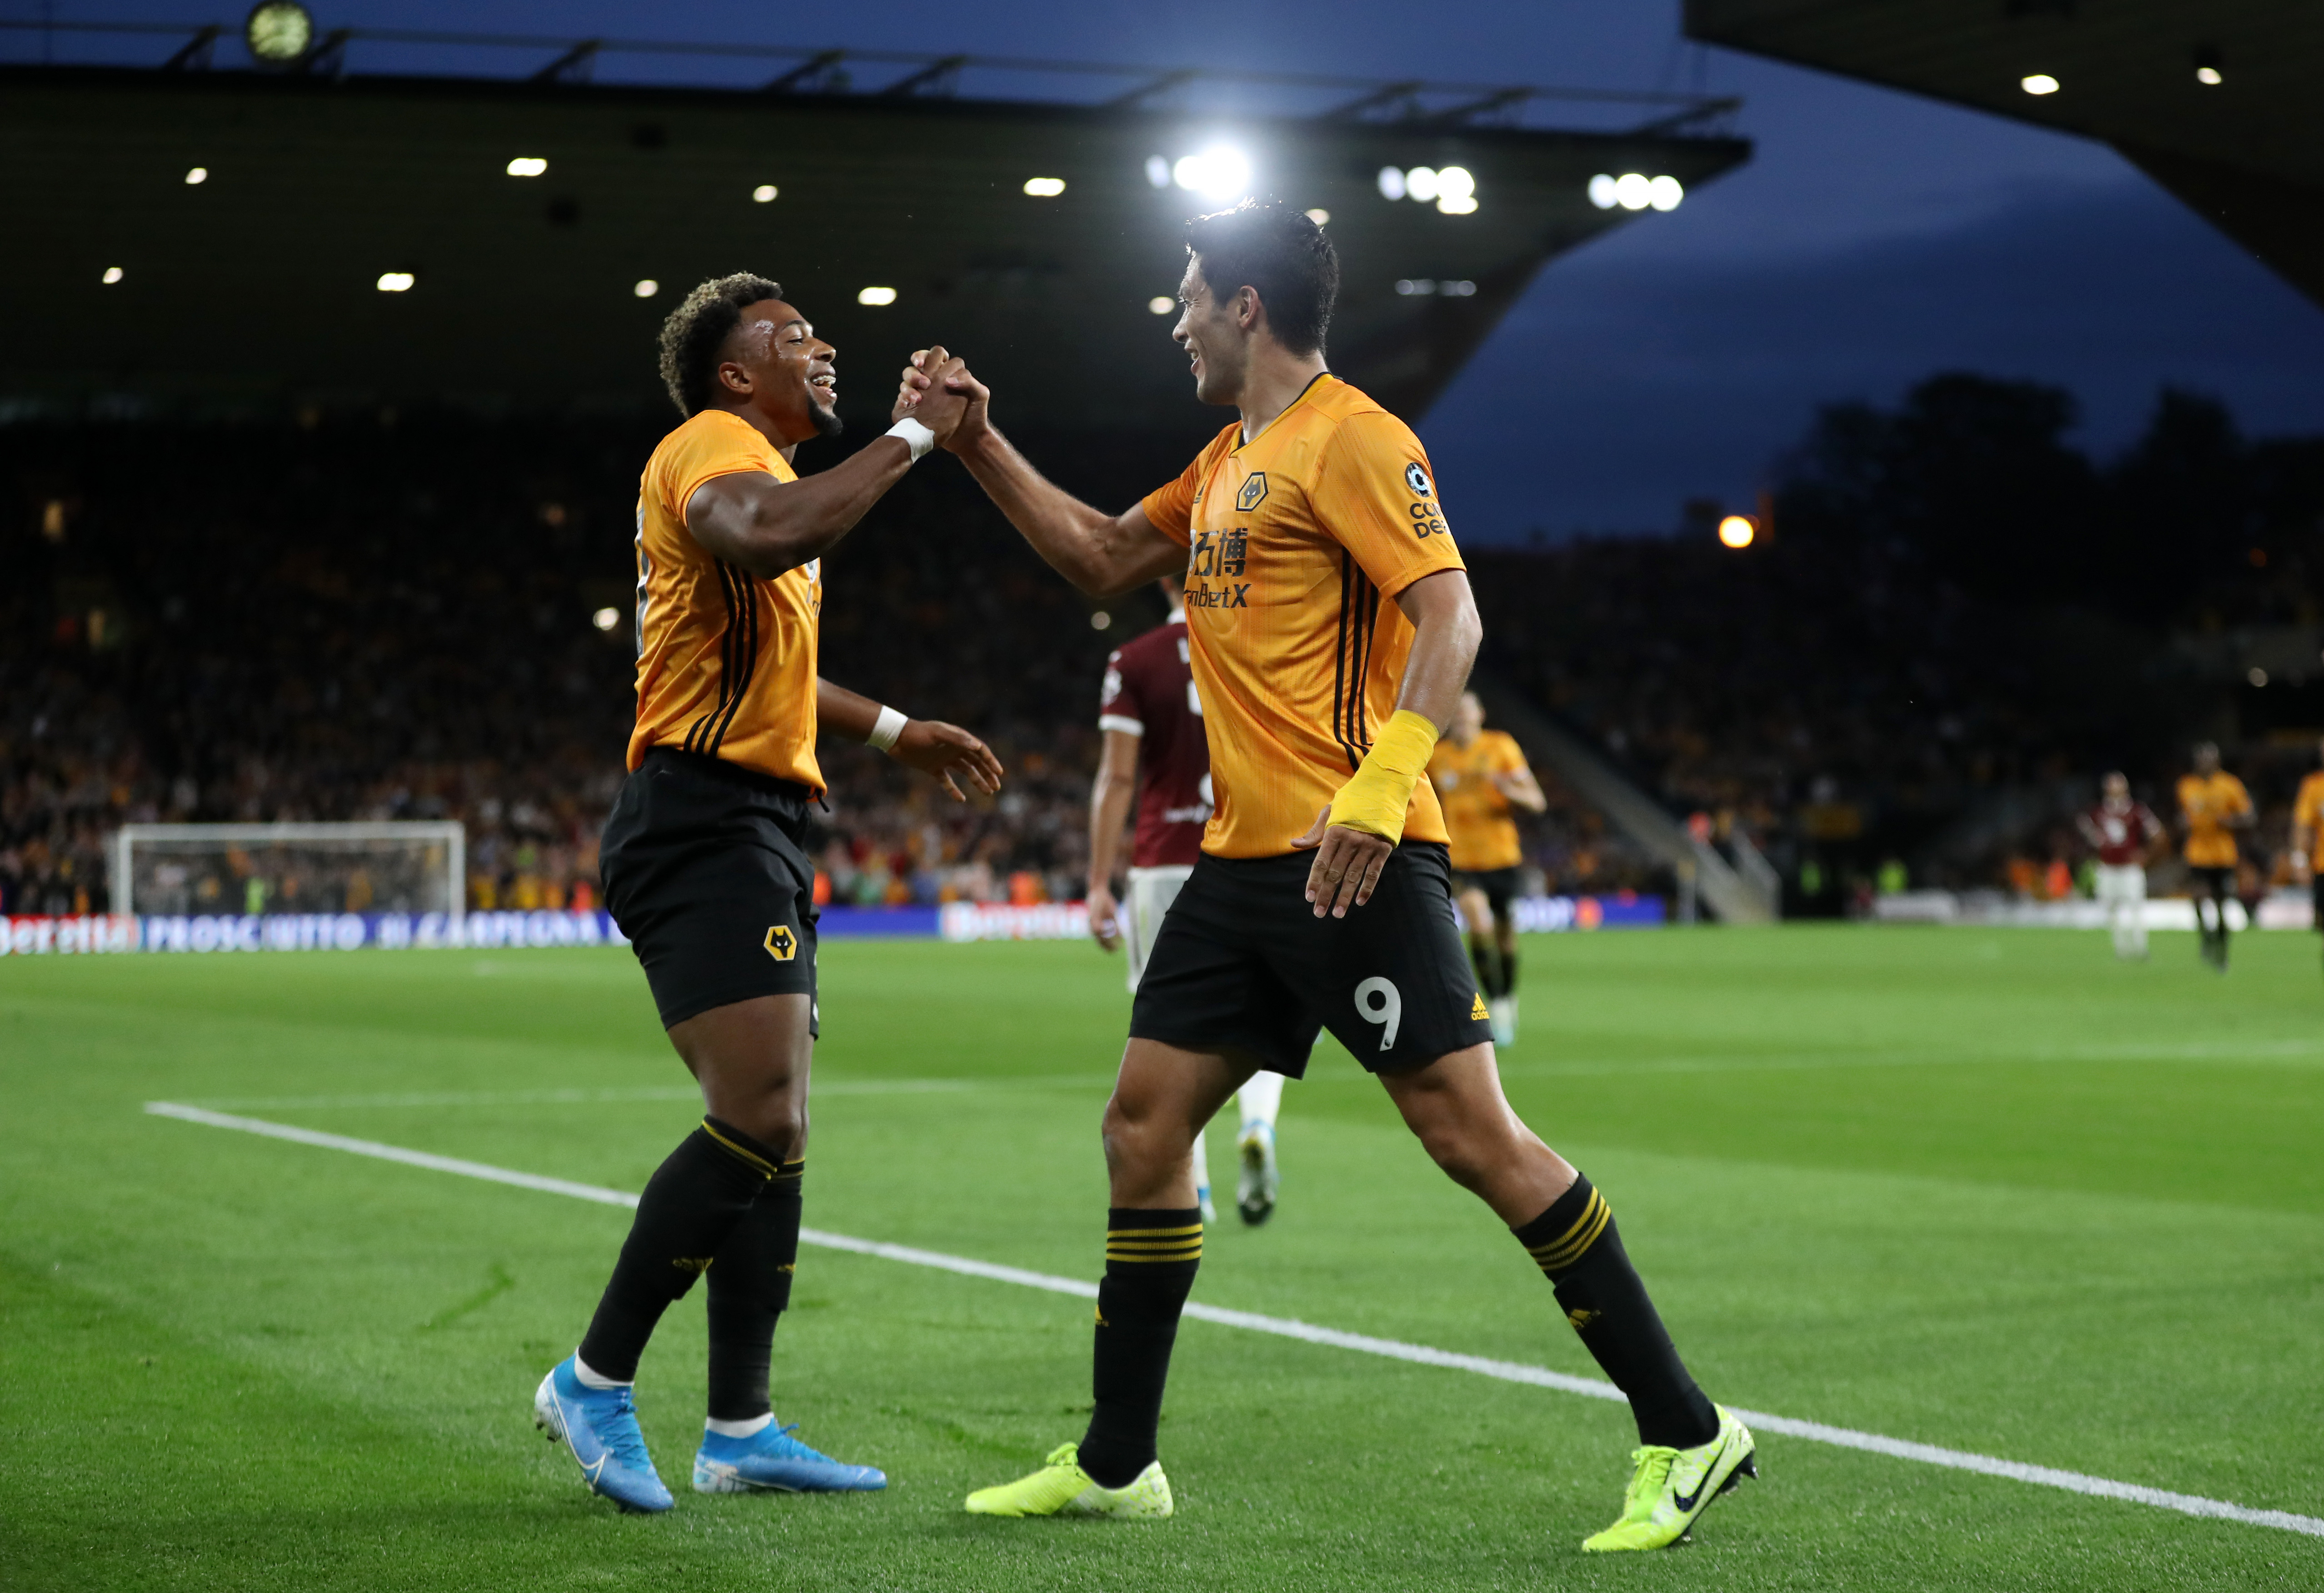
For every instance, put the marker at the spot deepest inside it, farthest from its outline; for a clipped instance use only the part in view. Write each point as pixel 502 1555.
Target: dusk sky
pixel 1875 239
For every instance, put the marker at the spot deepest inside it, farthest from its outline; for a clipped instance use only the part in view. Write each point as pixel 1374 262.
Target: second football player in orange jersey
pixel 2213 806
pixel 1480 776
pixel 1332 630
pixel 2307 825
pixel 706 873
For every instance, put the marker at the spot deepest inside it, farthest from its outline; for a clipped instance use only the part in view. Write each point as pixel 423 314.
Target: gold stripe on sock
pixel 748 1156
pixel 1190 1253
pixel 1151 1233
pixel 1575 1243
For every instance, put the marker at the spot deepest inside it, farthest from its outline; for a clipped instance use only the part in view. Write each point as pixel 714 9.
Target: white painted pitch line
pixel 1287 1327
pixel 648 1092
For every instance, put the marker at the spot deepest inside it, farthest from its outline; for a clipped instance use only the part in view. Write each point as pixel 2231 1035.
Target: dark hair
pixel 697 331
pixel 1265 243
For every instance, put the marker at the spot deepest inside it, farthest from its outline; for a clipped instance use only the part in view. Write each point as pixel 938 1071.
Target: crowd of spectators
pixel 361 615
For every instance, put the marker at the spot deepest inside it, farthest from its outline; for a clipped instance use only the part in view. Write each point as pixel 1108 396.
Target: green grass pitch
pixel 1992 1190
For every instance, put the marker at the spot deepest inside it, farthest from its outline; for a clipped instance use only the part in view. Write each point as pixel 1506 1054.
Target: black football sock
pixel 749 1286
pixel 1509 971
pixel 1151 1256
pixel 1579 1249
pixel 691 1203
pixel 1487 961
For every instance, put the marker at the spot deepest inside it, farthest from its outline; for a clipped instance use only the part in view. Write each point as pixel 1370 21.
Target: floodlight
pixel 1736 530
pixel 1459 206
pixel 2256 675
pixel 278 32
pixel 605 619
pixel 1219 172
pixel 875 296
pixel 1161 304
pixel 647 288
pixel 2208 76
pixel 396 281
pixel 1603 191
pixel 1632 191
pixel 112 275
pixel 1663 193
pixel 198 175
pixel 1454 182
pixel 1044 188
pixel 1420 183
pixel 1391 183
pixel 1158 172
pixel 527 166
pixel 764 194
pixel 1320 217
pixel 2038 83
pixel 1100 619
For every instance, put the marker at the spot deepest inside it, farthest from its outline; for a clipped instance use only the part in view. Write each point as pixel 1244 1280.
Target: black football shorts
pixel 705 873
pixel 1242 960
pixel 1501 887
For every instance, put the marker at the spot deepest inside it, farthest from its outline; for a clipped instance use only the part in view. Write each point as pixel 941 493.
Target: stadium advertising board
pixel 346 932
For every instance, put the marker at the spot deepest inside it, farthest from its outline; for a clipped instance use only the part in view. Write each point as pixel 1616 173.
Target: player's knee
pixel 1136 1139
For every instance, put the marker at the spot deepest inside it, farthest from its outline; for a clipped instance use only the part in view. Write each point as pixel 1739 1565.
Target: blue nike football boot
pixel 600 1427
pixel 771 1458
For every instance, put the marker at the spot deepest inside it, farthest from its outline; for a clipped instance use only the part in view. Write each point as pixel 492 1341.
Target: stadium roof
pixel 2215 99
pixel 260 280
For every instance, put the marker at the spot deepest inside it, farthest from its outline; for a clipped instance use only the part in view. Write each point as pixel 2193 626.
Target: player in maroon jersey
pixel 2123 831
pixel 1155 746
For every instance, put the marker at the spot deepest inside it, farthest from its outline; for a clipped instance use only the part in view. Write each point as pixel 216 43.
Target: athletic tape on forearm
pixel 1377 795
pixel 884 733
pixel 915 437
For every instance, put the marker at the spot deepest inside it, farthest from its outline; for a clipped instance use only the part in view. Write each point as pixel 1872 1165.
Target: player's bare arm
pixel 1103 555
pixel 1110 794
pixel 1522 789
pixel 784 381
pixel 1444 614
pixel 947 752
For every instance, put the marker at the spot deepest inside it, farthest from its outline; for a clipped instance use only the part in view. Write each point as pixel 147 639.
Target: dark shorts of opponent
pixel 1501 887
pixel 705 874
pixel 2316 895
pixel 1242 960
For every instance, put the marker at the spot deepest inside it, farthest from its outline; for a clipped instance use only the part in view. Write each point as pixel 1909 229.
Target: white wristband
pixel 890 724
pixel 916 436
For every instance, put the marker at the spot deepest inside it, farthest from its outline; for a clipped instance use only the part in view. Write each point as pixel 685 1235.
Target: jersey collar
pixel 1320 377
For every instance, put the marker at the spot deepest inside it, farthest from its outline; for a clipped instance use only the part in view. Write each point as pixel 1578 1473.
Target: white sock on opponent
pixel 1258 1100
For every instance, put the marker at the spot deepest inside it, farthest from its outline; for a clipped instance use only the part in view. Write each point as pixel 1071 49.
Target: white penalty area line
pixel 1286 1328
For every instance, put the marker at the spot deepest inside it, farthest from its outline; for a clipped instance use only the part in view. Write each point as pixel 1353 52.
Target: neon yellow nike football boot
pixel 1670 1487
pixel 1061 1488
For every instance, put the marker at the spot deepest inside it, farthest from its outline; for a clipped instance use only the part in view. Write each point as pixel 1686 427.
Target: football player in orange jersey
pixel 1332 630
pixel 1480 776
pixel 2306 821
pixel 2212 807
pixel 706 873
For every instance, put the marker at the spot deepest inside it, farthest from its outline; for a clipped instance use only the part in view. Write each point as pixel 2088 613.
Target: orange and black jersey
pixel 1297 543
pixel 726 659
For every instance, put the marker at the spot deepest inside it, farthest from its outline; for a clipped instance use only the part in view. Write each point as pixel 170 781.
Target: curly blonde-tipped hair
pixel 696 332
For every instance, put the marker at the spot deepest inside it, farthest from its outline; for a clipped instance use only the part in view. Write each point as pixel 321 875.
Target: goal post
pixel 387 866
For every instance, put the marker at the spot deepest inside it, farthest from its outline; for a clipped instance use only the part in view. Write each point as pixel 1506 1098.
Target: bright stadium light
pixel 764 194
pixel 1420 183
pixel 1158 172
pixel 2256 675
pixel 1391 183
pixel 605 619
pixel 1602 191
pixel 1736 530
pixel 1044 188
pixel 1320 217
pixel 1100 619
pixel 2209 77
pixel 2038 83
pixel 198 175
pixel 647 288
pixel 1663 193
pixel 1161 304
pixel 1456 191
pixel 396 281
pixel 1632 191
pixel 875 296
pixel 112 275
pixel 527 166
pixel 1219 172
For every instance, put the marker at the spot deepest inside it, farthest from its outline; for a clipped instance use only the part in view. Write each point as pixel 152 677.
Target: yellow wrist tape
pixel 1377 795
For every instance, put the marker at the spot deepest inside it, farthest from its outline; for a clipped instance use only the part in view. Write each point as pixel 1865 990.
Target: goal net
pixel 386 866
